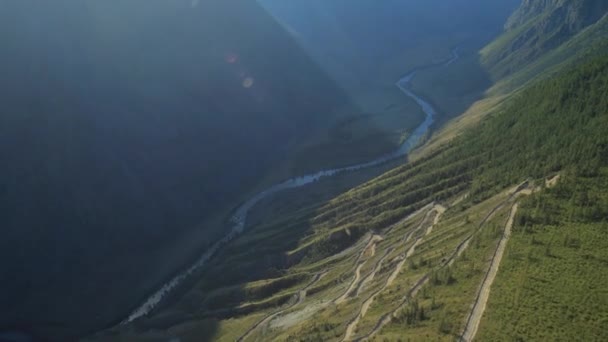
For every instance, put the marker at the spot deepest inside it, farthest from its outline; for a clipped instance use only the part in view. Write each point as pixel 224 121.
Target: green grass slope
pixel 552 282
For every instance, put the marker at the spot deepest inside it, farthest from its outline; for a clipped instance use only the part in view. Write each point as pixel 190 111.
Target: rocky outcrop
pixel 539 26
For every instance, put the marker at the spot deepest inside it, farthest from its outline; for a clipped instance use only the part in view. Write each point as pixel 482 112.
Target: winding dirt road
pixel 359 264
pixel 438 210
pixel 300 298
pixel 372 274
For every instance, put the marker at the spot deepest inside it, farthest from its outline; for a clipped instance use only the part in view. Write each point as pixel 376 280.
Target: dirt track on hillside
pixel 484 292
pixel 439 210
pixel 474 319
pixel 371 245
pixel 373 272
pixel 300 298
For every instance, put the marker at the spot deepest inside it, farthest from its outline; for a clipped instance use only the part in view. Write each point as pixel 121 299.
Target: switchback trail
pixel 372 274
pixel 438 210
pixel 358 265
pixel 462 246
pixel 300 298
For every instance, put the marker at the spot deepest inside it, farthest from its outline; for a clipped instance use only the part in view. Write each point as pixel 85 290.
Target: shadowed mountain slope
pixel 125 125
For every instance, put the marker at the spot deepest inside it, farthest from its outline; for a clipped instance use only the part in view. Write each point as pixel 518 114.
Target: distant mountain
pixel 352 39
pixel 576 14
pixel 538 27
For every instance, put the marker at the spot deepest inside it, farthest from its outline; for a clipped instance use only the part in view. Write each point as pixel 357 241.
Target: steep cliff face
pixel 580 13
pixel 125 125
pixel 537 27
pixel 529 9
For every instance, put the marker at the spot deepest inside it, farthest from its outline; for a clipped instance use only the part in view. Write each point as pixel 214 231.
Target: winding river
pixel 239 218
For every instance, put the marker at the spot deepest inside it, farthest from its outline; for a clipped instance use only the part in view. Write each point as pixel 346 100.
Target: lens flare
pixel 231 58
pixel 248 82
